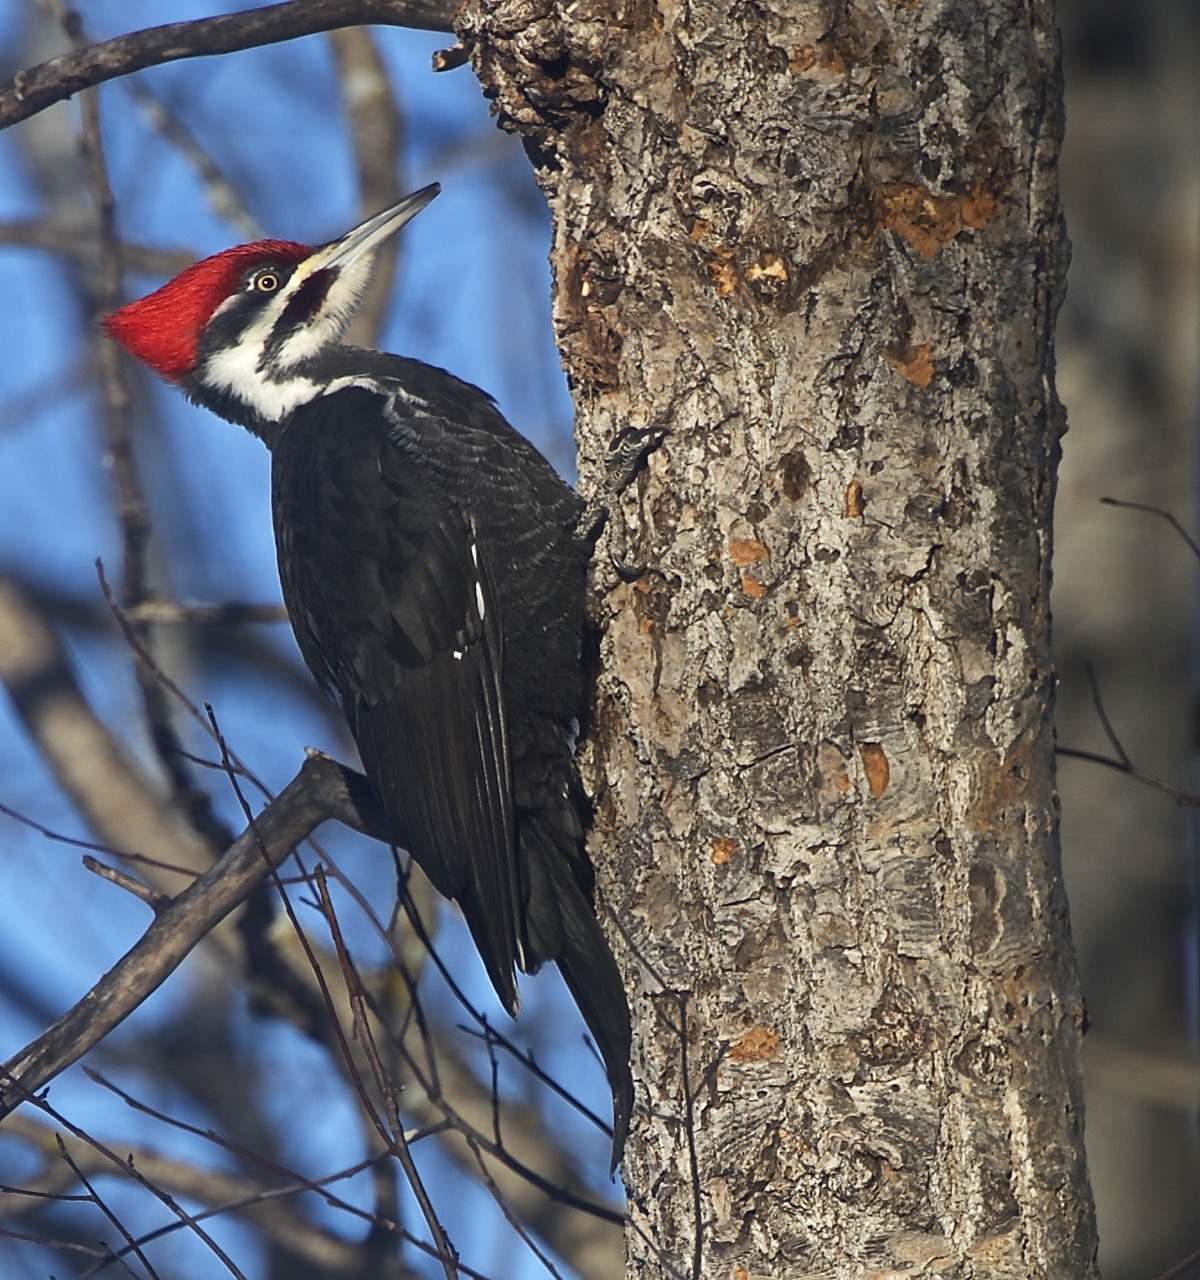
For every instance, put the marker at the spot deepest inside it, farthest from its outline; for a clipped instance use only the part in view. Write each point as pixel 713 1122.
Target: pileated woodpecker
pixel 433 569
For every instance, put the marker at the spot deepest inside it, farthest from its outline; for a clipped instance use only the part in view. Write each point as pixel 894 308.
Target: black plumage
pixel 435 580
pixel 434 573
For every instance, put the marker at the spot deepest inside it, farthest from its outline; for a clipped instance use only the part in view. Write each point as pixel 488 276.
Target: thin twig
pixel 296 1182
pixel 1109 732
pixel 231 613
pixel 98 1201
pixel 393 1141
pixel 1185 799
pixel 133 513
pixel 72 243
pixel 1123 763
pixel 111 1159
pixel 121 804
pixel 131 502
pixel 135 641
pixel 1180 1268
pixel 506 1209
pixel 1156 511
pixel 487 1031
pixel 396 1142
pixel 140 890
pixel 224 198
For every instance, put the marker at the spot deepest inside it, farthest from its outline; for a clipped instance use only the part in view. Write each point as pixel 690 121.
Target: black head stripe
pixel 299 310
pixel 305 302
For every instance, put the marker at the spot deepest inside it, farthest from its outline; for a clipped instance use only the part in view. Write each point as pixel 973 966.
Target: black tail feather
pixel 595 982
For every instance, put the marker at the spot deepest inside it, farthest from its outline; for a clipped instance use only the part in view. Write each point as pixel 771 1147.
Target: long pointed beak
pixel 370 234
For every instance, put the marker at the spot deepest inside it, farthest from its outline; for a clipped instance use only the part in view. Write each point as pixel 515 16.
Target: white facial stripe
pixel 335 313
pixel 235 370
pixel 272 386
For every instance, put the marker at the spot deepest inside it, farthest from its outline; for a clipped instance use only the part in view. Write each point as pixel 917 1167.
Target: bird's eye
pixel 266 282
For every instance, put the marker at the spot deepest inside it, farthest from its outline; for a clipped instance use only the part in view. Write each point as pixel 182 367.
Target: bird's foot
pixel 627 454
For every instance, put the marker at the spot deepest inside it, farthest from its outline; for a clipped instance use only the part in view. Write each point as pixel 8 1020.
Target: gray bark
pixel 823 245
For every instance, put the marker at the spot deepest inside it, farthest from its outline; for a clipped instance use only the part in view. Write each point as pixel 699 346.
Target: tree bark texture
pixel 822 244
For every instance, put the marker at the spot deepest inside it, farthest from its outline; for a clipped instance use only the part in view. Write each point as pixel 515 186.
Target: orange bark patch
pixel 807 56
pixel 925 220
pixel 915 363
pixel 723 851
pixel 978 208
pixel 758 1043
pixel 875 765
pixel 929 221
pixel 855 506
pixel 769 267
pixel 743 551
pixel 752 587
pixel 724 277
pixel 1004 788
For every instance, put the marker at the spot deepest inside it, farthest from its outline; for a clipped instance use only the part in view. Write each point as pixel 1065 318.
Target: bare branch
pixel 38 87
pixel 72 242
pixel 322 789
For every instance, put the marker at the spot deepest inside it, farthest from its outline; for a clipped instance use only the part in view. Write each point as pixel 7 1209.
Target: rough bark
pixel 823 245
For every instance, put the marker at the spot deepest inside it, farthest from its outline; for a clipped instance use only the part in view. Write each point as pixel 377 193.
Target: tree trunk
pixel 822 244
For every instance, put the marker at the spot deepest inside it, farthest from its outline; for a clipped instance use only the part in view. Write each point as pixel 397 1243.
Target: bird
pixel 433 566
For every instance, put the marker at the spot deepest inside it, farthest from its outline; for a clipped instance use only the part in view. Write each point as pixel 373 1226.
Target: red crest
pixel 163 328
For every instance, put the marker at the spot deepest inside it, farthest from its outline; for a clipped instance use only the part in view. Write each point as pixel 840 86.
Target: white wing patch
pixel 480 602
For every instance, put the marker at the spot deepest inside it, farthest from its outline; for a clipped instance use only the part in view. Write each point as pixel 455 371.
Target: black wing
pixel 392 606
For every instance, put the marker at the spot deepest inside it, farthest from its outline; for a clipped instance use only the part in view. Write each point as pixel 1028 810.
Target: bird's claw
pixel 627 454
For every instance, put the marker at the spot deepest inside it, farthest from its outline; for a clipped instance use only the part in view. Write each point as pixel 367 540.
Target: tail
pixel 569 934
pixel 592 977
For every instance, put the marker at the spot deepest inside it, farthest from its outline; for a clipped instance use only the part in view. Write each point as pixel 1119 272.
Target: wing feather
pixel 392 604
